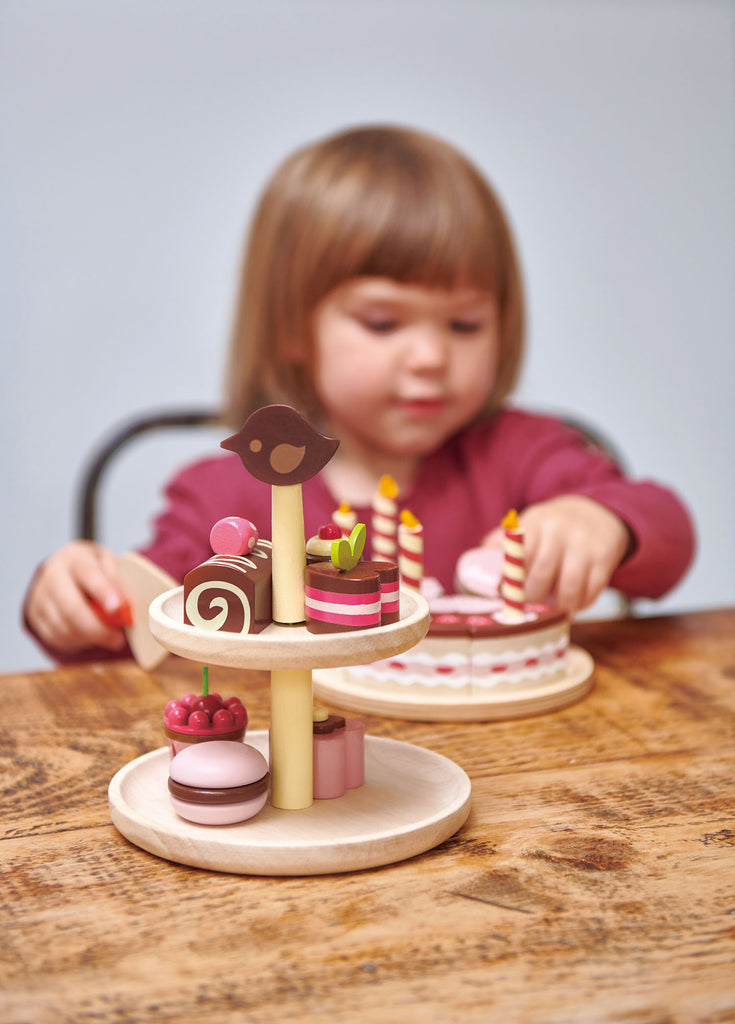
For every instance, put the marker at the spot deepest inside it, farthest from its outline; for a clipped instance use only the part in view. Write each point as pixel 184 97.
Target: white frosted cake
pixel 471 651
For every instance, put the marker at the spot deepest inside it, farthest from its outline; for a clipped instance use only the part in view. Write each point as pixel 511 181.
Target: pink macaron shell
pixel 233 536
pixel 218 764
pixel 219 814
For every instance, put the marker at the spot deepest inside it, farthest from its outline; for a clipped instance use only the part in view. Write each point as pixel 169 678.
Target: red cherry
pixel 239 716
pixel 209 703
pixel 177 715
pixel 199 720
pixel 221 702
pixel 171 705
pixel 223 719
pixel 329 532
pixel 189 699
pixel 232 702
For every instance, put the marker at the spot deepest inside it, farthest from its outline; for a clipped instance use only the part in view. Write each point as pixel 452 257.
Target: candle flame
pixel 409 519
pixel 388 487
pixel 510 522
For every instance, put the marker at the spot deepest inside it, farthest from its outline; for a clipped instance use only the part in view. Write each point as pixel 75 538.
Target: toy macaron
pixel 218 783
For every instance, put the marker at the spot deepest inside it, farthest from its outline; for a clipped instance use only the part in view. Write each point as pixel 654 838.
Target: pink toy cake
pixel 198 718
pixel 346 593
pixel 202 717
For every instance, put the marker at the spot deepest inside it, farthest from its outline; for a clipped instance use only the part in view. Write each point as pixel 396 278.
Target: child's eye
pixel 380 325
pixel 465 326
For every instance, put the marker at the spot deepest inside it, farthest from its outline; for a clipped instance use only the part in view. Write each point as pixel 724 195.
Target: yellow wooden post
pixel 291 739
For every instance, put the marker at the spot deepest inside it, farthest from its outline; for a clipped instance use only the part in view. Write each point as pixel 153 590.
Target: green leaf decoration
pixel 346 553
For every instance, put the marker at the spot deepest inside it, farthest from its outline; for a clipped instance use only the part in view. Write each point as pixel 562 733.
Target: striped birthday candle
pixel 384 521
pixel 512 586
pixel 345 518
pixel 410 550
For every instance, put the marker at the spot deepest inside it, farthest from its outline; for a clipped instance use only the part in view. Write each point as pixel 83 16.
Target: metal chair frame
pixel 99 462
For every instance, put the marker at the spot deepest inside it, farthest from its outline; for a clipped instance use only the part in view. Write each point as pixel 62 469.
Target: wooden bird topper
pixel 278 446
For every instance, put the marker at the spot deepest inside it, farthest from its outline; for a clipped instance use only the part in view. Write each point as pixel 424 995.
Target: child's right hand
pixel 58 606
pixel 573 546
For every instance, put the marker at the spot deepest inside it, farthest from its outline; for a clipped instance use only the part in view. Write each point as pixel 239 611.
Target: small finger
pixel 597 580
pixel 542 570
pixel 572 585
pixel 96 576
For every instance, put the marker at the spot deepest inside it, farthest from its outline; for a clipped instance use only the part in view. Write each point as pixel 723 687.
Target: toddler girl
pixel 381 297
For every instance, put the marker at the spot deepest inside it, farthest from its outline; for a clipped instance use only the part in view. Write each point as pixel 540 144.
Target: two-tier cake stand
pixel 412 799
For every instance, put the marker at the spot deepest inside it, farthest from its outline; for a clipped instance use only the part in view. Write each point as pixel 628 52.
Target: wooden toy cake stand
pixel 412 799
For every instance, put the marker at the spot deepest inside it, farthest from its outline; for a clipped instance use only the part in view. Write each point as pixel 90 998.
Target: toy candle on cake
pixel 512 586
pixel 384 522
pixel 410 550
pixel 345 518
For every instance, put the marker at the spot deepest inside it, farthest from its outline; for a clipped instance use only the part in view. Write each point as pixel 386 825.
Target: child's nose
pixel 428 349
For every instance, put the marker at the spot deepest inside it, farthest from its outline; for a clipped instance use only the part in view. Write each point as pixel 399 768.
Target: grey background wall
pixel 137 135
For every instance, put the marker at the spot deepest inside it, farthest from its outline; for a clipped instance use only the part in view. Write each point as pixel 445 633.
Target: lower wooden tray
pixel 421 706
pixel 412 800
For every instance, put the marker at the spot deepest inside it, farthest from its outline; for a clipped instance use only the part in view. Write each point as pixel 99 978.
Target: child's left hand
pixel 573 546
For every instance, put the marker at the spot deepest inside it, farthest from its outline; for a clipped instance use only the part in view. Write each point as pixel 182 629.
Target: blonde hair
pixel 367 202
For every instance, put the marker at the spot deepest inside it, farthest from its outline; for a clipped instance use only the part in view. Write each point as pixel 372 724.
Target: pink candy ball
pixel 177 716
pixel 239 716
pixel 223 719
pixel 233 536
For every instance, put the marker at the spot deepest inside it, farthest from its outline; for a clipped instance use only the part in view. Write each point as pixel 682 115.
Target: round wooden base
pixel 412 800
pixel 419 705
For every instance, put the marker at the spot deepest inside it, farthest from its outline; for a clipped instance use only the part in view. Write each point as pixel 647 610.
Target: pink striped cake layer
pixel 361 611
pixel 359 598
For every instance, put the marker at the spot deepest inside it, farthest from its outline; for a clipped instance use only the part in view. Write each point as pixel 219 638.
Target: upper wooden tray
pixel 283 647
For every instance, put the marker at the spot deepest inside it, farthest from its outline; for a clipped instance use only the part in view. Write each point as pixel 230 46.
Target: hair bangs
pixel 429 243
pixel 393 213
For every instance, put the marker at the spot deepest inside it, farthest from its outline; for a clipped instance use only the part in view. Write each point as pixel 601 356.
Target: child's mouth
pixel 421 407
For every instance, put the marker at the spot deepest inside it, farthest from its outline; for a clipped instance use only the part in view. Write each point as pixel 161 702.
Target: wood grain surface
pixel 593 881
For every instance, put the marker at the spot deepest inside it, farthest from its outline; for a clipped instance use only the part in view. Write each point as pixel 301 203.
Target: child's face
pixel 399 368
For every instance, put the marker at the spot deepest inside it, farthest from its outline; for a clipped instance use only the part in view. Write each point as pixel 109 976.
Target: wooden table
pixel 593 881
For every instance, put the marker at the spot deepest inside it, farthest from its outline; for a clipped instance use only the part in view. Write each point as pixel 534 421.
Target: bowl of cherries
pixel 198 717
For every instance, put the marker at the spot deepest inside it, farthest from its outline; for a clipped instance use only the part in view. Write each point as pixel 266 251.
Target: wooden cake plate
pixel 412 800
pixel 329 685
pixel 285 647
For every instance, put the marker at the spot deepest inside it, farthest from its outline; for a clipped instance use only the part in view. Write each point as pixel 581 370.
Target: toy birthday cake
pixel 470 651
pixel 484 641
